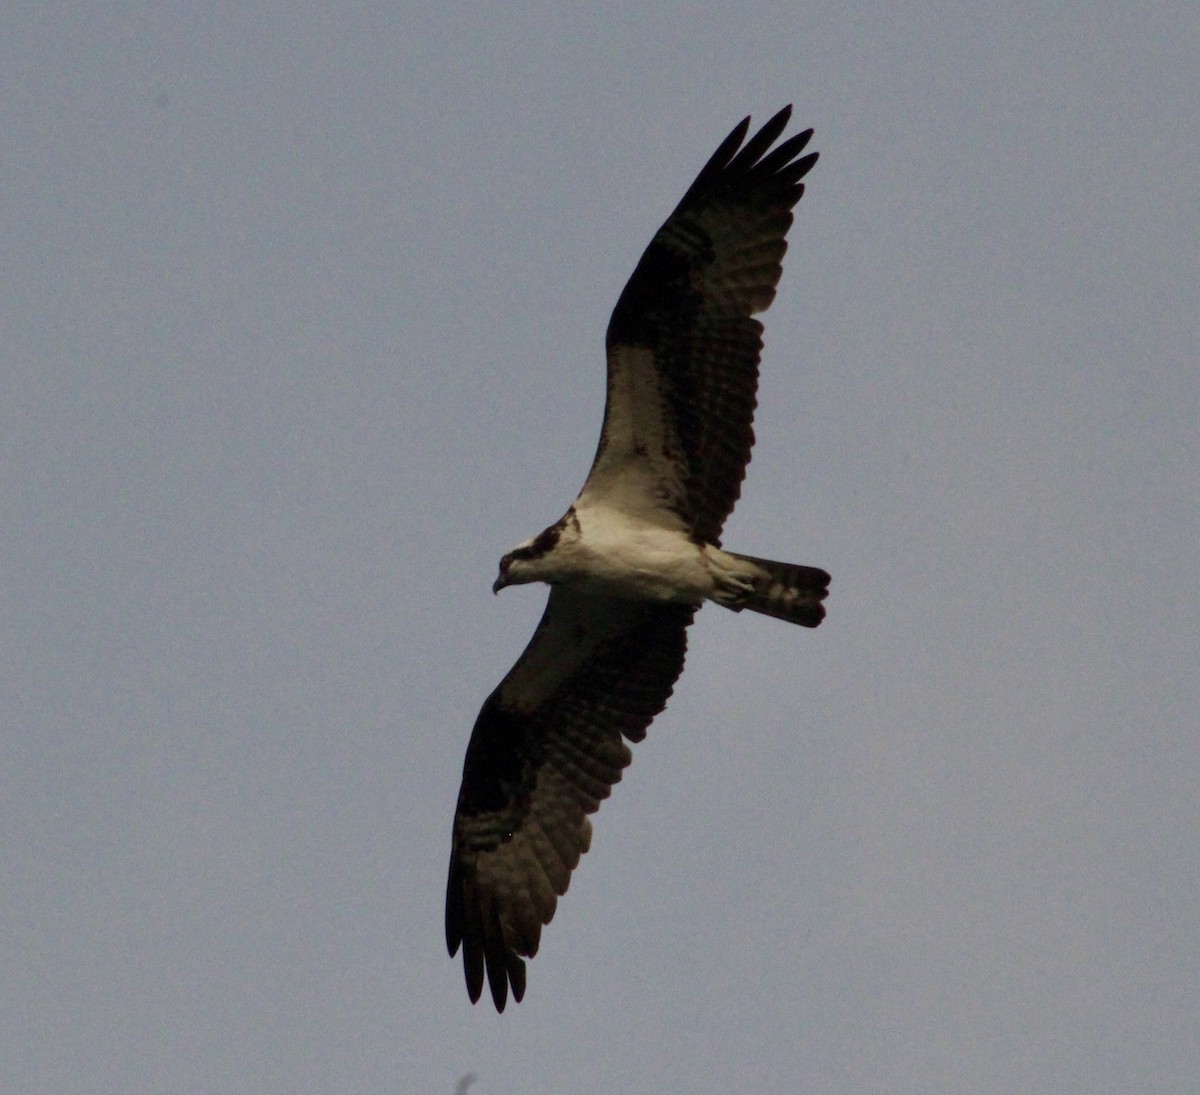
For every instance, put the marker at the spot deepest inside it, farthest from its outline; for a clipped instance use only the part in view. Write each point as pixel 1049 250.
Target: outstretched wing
pixel 546 749
pixel 682 347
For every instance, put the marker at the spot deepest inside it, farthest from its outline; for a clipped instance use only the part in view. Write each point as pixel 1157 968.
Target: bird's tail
pixel 786 591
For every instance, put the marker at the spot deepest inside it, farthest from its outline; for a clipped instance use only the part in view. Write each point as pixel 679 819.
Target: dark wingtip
pixel 501 975
pixel 453 908
pixel 516 975
pixel 474 976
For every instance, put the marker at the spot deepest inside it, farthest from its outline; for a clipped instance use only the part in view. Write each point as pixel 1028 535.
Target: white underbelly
pixel 622 558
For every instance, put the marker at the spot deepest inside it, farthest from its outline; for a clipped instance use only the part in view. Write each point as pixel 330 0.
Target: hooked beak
pixel 499 583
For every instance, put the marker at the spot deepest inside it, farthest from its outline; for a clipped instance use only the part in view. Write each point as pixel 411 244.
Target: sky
pixel 301 328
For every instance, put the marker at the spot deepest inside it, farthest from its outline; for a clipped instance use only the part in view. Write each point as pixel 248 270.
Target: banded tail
pixel 786 591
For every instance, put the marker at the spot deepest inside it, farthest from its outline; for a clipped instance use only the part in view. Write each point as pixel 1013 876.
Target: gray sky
pixel 303 319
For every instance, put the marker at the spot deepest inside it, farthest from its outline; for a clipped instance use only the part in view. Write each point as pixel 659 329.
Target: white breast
pixel 622 556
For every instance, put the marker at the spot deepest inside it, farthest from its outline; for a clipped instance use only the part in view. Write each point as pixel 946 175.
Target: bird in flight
pixel 633 558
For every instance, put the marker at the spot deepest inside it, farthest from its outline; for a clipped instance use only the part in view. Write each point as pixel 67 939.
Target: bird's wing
pixel 682 347
pixel 546 749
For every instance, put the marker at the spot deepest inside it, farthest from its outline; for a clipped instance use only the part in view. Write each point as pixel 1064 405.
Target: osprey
pixel 633 558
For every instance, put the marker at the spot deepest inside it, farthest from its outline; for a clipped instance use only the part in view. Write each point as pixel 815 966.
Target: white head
pixel 520 565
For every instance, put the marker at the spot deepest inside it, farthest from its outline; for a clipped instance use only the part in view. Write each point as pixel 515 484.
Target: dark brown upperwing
pixel 545 751
pixel 713 264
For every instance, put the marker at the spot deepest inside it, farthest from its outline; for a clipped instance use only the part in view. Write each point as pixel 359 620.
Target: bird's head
pixel 504 578
pixel 514 568
pixel 524 563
